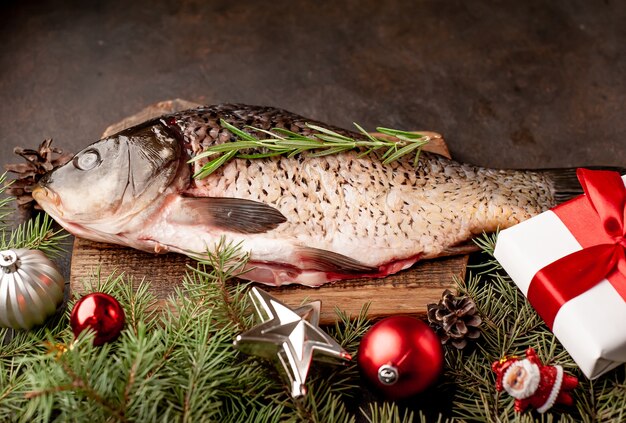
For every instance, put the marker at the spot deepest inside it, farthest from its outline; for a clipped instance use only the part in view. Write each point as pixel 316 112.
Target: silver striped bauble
pixel 31 288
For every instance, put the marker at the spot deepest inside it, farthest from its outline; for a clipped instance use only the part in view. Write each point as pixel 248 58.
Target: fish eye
pixel 87 160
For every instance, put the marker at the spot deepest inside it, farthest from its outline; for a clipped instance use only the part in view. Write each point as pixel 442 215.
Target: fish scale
pixel 307 220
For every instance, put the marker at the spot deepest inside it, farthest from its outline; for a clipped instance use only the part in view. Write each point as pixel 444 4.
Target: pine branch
pixel 77 376
pixel 348 330
pixel 139 390
pixel 321 142
pixel 35 234
pixel 387 412
pixel 213 274
pixel 322 404
pixel 5 203
pixel 12 385
pixel 78 385
pixel 487 244
pixel 141 303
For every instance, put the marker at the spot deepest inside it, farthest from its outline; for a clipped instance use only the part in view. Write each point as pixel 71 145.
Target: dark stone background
pixel 508 83
pixel 521 84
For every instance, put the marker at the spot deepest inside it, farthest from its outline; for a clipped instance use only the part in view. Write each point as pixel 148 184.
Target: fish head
pixel 112 180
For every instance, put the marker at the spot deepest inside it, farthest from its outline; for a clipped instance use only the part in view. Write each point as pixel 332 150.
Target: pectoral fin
pixel 229 214
pixel 328 261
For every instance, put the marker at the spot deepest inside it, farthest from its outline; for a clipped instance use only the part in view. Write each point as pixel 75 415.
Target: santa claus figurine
pixel 533 384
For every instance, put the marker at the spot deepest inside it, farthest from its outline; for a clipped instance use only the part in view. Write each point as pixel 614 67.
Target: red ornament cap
pixel 100 312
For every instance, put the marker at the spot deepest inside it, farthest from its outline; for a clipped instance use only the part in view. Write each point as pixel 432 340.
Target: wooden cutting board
pixel 407 292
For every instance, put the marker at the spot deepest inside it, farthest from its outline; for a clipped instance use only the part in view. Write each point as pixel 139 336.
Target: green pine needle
pixel 5 203
pixel 322 142
pixel 38 234
pixel 387 412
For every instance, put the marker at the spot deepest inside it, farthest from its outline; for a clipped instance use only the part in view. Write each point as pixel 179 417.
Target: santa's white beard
pixel 531 382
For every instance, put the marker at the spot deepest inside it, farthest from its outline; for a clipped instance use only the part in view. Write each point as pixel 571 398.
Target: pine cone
pixel 39 162
pixel 455 319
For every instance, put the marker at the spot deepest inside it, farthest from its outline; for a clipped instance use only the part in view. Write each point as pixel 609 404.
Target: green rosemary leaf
pixel 337 141
pixel 272 153
pixel 206 153
pixel 225 148
pixel 399 133
pixel 271 145
pixel 416 157
pixel 272 135
pixel 213 165
pixel 236 131
pixel 389 152
pixel 297 151
pixel 289 134
pixel 303 143
pixel 401 152
pixel 372 138
pixel 328 132
pixel 367 152
pixel 418 139
pixel 329 151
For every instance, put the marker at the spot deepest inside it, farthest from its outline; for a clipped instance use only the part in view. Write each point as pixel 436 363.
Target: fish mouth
pixel 45 195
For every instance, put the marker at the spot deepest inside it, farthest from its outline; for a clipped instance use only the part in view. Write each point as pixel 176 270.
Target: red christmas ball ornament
pixel 100 312
pixel 401 356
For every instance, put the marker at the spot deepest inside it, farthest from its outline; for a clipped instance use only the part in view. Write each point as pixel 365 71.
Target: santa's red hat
pixel 500 367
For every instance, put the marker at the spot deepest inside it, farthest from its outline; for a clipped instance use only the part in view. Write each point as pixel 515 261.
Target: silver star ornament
pixel 290 336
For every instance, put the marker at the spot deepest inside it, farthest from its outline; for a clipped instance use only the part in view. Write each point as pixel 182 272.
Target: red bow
pixel 597 223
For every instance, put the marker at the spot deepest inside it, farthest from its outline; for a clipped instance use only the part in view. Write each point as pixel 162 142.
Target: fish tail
pixel 566 185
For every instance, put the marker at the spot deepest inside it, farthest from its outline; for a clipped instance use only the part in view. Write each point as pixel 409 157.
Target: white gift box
pixel 592 326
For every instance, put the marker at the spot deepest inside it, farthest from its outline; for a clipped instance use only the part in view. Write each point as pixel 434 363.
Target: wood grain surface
pixel 407 292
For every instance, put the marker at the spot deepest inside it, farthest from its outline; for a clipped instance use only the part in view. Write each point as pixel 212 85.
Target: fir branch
pixel 321 142
pixel 5 203
pixel 140 304
pixel 349 330
pixel 20 343
pixel 390 412
pixel 142 391
pixel 36 234
pixel 487 244
pixel 78 385
pixel 231 387
pixel 12 386
pixel 221 266
pixel 77 375
pixel 108 284
pixel 322 404
pixel 387 412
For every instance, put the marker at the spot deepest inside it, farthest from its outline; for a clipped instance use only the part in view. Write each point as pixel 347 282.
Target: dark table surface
pixel 508 83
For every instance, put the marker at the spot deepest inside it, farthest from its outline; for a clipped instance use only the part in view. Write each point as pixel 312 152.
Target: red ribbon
pixel 597 222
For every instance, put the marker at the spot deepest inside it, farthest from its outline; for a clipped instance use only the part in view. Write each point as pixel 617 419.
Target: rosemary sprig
pixel 323 142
